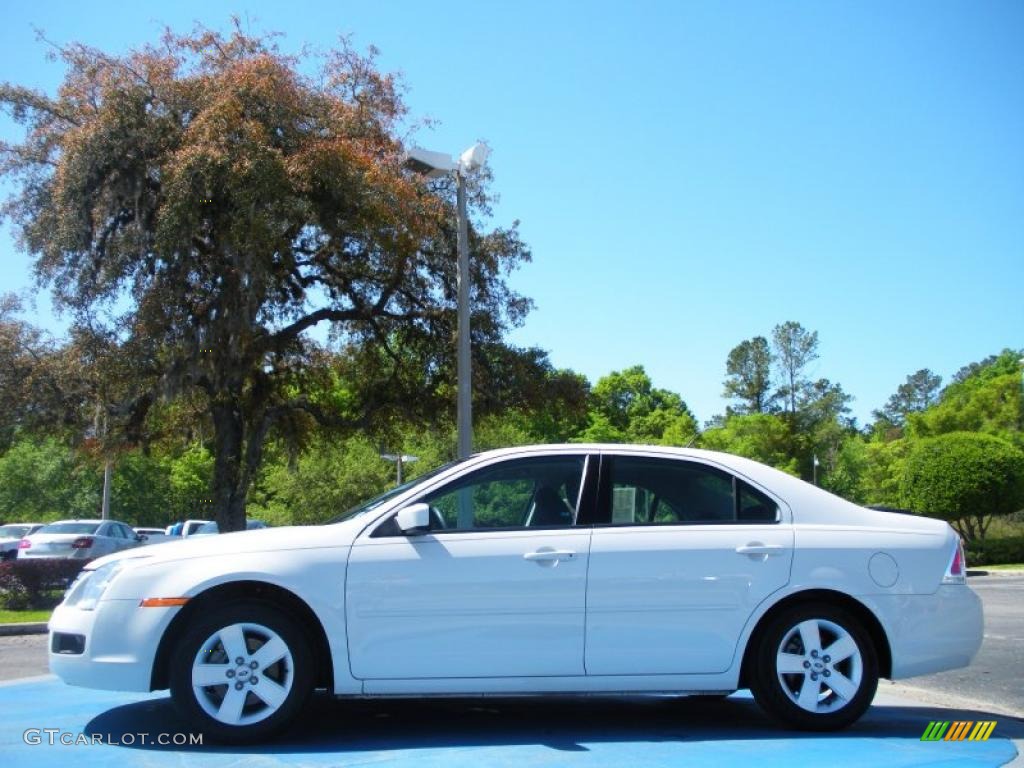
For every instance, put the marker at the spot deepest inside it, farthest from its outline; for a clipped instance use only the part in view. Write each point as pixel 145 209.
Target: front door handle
pixel 757 548
pixel 549 555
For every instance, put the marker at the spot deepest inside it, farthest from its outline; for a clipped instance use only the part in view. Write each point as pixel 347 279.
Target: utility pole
pixel 434 165
pixel 464 400
pixel 100 430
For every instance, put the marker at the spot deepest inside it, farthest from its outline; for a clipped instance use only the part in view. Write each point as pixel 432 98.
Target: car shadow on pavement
pixel 559 723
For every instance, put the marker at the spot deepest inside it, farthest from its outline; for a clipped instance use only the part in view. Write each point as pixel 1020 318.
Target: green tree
pixel 883 470
pixel 918 392
pixel 141 490
pixel 794 349
pixel 822 425
pixel 849 463
pixel 43 480
pixel 965 478
pixel 324 481
pixel 748 375
pixel 189 477
pixel 984 397
pixel 625 406
pixel 199 205
pixel 764 437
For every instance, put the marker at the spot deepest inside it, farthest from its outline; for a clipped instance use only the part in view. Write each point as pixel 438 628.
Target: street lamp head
pixel 433 165
pixel 474 157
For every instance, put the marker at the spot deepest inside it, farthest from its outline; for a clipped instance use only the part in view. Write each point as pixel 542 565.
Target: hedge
pixel 35 584
pixel 1003 551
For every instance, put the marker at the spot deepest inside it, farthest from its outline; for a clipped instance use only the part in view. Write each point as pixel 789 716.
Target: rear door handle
pixel 545 555
pixel 757 548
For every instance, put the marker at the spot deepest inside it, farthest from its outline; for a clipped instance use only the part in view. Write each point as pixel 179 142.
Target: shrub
pixel 965 478
pixel 14 595
pixel 35 584
pixel 995 551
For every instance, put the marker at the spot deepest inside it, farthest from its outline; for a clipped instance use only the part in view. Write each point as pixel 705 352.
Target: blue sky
pixel 690 174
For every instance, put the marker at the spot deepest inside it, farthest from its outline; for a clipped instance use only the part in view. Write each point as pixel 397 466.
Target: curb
pixel 23 628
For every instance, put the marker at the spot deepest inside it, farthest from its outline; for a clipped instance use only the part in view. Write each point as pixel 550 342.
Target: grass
pixel 1004 567
pixel 11 617
pixel 1005 527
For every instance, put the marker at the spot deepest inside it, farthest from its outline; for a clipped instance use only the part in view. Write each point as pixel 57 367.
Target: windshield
pixel 210 527
pixel 13 531
pixel 77 528
pixel 376 501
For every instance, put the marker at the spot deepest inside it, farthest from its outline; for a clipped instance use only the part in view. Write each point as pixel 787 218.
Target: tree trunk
pixel 230 482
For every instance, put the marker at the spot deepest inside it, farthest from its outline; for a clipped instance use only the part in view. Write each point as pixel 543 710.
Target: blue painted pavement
pixel 451 733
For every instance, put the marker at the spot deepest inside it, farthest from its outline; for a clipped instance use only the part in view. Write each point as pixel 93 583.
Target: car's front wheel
pixel 815 667
pixel 241 673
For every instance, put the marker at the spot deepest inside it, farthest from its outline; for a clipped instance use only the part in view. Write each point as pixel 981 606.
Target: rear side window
pixel 76 528
pixel 754 506
pixel 655 491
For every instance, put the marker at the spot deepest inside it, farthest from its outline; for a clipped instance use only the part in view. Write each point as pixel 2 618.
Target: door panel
pixel 468 605
pixel 674 599
pixel 496 589
pixel 687 553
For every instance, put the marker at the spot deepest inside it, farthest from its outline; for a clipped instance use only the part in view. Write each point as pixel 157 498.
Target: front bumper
pixel 931 633
pixel 120 644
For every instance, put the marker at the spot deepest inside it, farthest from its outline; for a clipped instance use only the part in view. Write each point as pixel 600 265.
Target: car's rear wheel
pixel 241 673
pixel 814 667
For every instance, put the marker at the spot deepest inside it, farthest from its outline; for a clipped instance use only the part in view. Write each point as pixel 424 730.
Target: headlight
pixel 90 586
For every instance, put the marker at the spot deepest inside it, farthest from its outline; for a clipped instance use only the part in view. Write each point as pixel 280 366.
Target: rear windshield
pixel 78 528
pixel 13 531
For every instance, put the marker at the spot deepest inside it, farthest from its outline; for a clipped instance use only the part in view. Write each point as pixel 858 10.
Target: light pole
pixel 434 165
pixel 400 460
pixel 1022 392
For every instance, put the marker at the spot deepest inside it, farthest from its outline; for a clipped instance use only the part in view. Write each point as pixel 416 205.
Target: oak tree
pixel 201 204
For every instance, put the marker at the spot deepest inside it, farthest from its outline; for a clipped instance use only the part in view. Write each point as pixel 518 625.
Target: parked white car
pixel 11 534
pixel 152 535
pixel 78 540
pixel 192 527
pixel 550 569
pixel 212 529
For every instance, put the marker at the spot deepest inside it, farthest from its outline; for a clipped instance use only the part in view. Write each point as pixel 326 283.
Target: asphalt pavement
pixel 23 656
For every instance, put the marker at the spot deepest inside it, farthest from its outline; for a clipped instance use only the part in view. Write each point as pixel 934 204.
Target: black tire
pixel 289 678
pixel 823 709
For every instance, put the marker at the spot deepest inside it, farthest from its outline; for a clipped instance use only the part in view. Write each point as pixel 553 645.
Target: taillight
pixel 956 573
pixel 24 544
pixel 83 542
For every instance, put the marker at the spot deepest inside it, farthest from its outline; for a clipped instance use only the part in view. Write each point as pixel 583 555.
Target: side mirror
pixel 414 520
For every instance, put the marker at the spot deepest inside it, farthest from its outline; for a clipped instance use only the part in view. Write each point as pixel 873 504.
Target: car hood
pixel 257 540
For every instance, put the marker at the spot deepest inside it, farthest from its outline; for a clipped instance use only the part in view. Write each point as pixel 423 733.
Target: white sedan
pixel 78 540
pixel 542 570
pixel 11 535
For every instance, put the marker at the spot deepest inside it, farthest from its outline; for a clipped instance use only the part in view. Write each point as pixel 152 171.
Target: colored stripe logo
pixel 959 730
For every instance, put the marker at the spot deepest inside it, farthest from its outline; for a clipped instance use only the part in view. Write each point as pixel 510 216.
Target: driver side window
pixel 527 493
